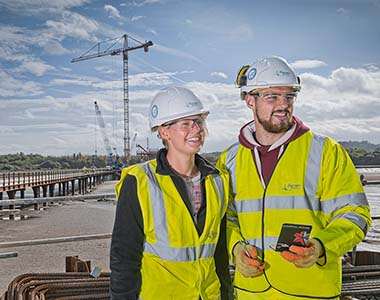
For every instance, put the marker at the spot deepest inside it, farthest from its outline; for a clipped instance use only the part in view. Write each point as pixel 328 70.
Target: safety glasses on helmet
pixel 272 97
pixel 188 124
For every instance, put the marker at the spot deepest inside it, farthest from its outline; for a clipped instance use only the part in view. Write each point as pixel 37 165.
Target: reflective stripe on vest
pixel 162 247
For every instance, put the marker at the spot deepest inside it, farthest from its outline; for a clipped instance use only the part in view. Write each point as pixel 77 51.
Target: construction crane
pixel 133 142
pixel 89 54
pixel 146 151
pixel 107 144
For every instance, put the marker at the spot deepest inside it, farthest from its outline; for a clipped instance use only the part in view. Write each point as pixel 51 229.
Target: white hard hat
pixel 265 73
pixel 173 103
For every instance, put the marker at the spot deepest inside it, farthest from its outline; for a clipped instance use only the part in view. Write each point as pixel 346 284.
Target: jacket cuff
pixel 322 259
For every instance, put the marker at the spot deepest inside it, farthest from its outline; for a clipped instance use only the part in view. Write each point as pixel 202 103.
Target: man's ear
pixel 250 101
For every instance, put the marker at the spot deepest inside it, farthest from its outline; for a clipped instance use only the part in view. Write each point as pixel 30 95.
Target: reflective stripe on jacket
pixel 177 263
pixel 313 183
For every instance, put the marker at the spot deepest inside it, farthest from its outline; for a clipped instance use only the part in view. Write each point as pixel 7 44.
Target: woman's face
pixel 185 135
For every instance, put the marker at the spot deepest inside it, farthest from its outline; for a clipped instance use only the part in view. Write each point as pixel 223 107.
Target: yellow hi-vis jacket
pixel 314 183
pixel 177 263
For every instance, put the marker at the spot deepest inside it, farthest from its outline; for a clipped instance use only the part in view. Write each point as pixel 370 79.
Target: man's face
pixel 273 109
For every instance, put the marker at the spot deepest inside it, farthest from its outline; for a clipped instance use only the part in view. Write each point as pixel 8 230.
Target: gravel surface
pixel 67 219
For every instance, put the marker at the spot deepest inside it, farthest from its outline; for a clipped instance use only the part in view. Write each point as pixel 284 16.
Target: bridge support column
pixel 22 194
pixel 64 188
pixel 73 187
pixel 51 190
pixel 44 192
pixel 59 189
pixel 36 192
pixel 11 195
pixel 79 186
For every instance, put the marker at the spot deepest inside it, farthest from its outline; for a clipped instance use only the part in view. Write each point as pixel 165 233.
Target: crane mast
pixel 124 51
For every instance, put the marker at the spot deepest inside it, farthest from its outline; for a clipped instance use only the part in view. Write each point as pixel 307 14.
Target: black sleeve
pixel 222 263
pixel 127 244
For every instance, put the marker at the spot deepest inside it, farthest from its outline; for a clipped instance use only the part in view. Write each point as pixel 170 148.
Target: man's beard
pixel 275 128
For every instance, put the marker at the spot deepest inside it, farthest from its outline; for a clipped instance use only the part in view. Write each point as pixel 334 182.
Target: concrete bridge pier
pixel 11 194
pixel 85 186
pixel 63 188
pixel 73 187
pixel 44 193
pixel 36 193
pixel 44 190
pixel 51 189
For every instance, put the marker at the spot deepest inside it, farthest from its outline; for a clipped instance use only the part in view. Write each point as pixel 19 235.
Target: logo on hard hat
pixel 191 104
pixel 154 111
pixel 252 73
pixel 282 73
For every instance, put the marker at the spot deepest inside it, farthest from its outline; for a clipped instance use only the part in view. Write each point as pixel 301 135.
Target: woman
pixel 168 240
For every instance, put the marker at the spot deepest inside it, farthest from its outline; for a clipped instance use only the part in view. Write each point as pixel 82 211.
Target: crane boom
pixel 99 118
pixel 124 50
pixel 112 52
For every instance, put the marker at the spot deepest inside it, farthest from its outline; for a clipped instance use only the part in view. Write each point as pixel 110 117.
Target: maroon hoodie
pixel 269 154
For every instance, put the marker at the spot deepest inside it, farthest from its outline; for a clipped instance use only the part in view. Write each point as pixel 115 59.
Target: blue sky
pixel 47 102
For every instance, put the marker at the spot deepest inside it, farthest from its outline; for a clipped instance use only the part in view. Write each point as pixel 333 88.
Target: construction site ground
pixel 58 220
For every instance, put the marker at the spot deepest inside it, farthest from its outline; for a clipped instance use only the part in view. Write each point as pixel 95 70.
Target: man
pixel 169 236
pixel 282 172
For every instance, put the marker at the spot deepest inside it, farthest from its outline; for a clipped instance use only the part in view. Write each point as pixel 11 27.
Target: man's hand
pixel 304 257
pixel 247 262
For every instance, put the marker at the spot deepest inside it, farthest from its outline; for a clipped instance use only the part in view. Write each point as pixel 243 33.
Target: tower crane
pixel 107 144
pixel 95 51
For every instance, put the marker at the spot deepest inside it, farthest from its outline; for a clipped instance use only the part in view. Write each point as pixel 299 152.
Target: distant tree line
pixel 363 157
pixel 361 153
pixel 21 161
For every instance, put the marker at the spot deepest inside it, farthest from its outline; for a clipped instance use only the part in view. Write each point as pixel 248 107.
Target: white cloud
pixel 12 87
pixel 136 18
pixel 343 11
pixel 152 31
pixel 329 105
pixel 31 6
pixel 152 79
pixel 113 11
pixel 64 82
pixel 346 92
pixel 73 25
pixel 145 2
pixel 37 68
pixel 308 64
pixel 219 74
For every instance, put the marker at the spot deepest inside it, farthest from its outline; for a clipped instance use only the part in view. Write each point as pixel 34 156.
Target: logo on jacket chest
pixel 291 187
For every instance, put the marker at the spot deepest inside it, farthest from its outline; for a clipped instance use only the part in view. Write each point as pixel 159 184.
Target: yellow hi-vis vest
pixel 314 183
pixel 177 263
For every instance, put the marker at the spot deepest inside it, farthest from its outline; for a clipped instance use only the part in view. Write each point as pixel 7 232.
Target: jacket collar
pixel 247 138
pixel 204 166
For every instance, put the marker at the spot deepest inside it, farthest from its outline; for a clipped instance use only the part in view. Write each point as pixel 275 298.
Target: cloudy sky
pixel 47 102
